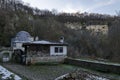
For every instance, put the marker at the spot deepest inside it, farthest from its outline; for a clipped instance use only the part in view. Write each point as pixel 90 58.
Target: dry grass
pixel 41 72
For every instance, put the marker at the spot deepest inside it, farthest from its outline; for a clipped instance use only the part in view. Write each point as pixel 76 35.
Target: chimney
pixel 31 39
pixel 36 38
pixel 62 39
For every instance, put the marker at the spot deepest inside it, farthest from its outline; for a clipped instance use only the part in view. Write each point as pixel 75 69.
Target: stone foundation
pixel 33 60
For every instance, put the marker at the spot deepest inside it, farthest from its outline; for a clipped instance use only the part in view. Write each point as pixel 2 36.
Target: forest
pixel 17 16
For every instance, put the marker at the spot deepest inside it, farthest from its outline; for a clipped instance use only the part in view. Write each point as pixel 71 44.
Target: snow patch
pixel 92 77
pixel 5 74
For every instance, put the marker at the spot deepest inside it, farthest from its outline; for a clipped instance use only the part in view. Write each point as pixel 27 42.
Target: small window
pixel 61 49
pixel 58 49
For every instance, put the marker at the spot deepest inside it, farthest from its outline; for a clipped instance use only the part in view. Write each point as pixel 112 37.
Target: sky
pixel 72 6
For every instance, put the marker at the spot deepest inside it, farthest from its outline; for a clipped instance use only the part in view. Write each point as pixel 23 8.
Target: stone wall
pixel 34 60
pixel 99 66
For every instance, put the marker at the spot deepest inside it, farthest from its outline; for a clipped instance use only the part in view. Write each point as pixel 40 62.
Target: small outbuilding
pixel 45 51
pixel 20 38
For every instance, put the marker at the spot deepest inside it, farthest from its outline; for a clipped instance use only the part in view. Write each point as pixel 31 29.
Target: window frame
pixel 59 49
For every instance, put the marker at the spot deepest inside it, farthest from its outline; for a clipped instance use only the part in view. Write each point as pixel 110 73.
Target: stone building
pixel 27 50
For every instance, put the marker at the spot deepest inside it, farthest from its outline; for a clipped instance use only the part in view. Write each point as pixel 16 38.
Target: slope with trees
pixel 16 16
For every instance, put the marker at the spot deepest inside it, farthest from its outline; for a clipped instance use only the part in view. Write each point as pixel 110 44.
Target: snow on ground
pixel 5 74
pixel 92 77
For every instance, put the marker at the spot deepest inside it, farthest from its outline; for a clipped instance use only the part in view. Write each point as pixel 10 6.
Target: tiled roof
pixel 44 42
pixel 22 36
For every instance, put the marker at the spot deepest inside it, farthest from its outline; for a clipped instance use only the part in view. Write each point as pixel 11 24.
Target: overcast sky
pixel 95 6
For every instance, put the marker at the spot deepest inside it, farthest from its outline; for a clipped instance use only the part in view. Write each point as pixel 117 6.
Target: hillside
pixel 16 16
